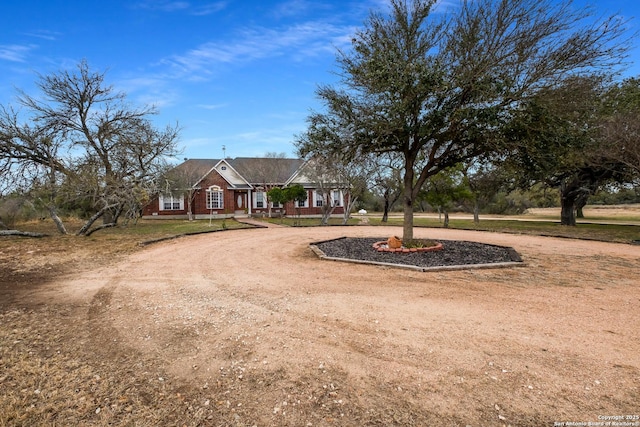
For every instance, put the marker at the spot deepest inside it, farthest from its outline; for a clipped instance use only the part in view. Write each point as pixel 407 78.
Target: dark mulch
pixel 454 253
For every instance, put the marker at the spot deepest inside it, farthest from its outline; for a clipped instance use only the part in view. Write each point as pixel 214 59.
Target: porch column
pixel 249 202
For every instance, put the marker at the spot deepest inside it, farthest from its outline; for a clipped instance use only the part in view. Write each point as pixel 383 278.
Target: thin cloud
pixel 295 8
pixel 182 6
pixel 16 53
pixel 136 83
pixel 164 6
pixel 43 34
pixel 253 44
pixel 150 90
pixel 211 106
pixel 208 9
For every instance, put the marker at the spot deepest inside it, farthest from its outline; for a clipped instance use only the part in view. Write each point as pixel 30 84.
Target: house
pixel 224 188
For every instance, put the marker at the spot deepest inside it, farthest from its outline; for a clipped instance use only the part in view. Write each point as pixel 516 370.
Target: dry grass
pixel 57 367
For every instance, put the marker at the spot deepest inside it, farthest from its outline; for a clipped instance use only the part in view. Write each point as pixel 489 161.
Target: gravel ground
pixel 454 252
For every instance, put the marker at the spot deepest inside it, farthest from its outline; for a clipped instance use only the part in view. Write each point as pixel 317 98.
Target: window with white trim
pixel 319 199
pixel 336 200
pixel 259 200
pixel 304 204
pixel 169 202
pixel 215 197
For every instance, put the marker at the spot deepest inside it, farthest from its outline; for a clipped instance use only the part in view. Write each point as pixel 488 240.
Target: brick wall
pixel 200 202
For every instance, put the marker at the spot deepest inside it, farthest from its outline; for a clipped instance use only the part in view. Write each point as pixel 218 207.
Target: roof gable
pixel 228 172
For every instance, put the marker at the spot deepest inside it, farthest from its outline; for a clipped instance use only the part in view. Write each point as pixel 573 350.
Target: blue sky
pixel 239 74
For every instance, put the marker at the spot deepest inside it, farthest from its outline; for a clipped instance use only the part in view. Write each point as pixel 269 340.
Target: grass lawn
pixel 142 229
pixel 134 234
pixel 307 222
pixel 601 232
pixel 103 245
pixel 541 225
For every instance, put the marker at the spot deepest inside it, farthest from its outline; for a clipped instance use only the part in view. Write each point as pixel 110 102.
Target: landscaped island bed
pixel 454 253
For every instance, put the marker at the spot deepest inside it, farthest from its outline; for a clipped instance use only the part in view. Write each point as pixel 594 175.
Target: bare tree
pixel 321 174
pixel 34 154
pixel 183 180
pixel 268 172
pixel 332 172
pixel 84 132
pixel 351 179
pixel 387 181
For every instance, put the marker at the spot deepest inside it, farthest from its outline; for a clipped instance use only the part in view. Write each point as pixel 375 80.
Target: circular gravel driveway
pixel 261 320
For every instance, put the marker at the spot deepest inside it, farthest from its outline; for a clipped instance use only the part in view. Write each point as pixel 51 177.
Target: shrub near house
pixel 223 188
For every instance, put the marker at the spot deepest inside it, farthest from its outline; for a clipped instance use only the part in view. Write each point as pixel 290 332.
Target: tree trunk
pixel 327 209
pixel 348 203
pixel 118 213
pixel 56 219
pixel 446 219
pixel 21 233
pixel 385 211
pixel 85 228
pixel 476 212
pixel 409 196
pixel 567 203
pixel 581 202
pixel 407 226
pixel 567 215
pixel 101 227
pixel 190 196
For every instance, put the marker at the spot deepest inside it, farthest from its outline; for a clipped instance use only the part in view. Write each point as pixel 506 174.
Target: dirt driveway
pixel 267 334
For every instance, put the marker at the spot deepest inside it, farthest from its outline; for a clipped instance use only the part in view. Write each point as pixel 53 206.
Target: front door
pixel 241 203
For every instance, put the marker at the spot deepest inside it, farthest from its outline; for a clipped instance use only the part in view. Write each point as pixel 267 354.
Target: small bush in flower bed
pixel 419 243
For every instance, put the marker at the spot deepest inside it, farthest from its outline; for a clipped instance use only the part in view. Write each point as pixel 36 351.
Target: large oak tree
pixel 578 137
pixel 437 89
